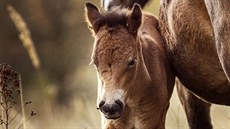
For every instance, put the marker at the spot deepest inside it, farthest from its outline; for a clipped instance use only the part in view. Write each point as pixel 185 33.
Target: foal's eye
pixel 132 63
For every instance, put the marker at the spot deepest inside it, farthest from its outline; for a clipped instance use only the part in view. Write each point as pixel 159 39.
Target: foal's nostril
pixel 101 103
pixel 115 108
pixel 106 108
pixel 119 103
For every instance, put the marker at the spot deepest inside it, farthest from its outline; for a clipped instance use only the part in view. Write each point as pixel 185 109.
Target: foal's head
pixel 116 56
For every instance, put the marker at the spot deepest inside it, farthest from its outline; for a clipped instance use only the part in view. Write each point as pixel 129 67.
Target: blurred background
pixel 63 89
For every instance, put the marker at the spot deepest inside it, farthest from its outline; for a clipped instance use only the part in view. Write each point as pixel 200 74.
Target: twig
pixel 17 114
pixel 14 117
pixel 22 122
pixel 6 113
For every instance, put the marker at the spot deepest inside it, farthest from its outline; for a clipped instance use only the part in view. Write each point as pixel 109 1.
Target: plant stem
pixel 22 122
pixel 7 119
pixel 22 103
pixel 6 113
pixel 2 109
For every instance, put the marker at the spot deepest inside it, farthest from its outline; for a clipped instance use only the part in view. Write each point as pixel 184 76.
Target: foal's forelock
pixel 113 47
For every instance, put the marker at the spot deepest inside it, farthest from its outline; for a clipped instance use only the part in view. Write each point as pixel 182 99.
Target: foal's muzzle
pixel 111 111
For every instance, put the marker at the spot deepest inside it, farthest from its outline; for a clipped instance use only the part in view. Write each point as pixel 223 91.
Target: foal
pixel 135 80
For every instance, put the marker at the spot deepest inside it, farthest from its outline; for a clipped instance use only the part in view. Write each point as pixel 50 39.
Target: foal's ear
pixel 92 16
pixel 134 19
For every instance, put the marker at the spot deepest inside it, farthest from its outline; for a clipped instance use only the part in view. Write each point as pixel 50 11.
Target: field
pixel 50 47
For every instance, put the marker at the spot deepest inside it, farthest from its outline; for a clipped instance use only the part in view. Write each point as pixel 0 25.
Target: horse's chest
pixel 139 124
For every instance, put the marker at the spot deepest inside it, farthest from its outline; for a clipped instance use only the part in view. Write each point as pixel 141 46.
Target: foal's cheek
pixel 129 79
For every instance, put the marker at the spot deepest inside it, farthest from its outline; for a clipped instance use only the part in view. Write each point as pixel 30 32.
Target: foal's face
pixel 114 56
pixel 115 59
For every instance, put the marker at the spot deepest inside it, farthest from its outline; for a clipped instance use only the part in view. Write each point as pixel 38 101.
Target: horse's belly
pixel 206 79
pixel 192 51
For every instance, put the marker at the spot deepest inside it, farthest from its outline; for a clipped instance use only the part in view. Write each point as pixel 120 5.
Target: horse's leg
pixel 197 111
pixel 219 13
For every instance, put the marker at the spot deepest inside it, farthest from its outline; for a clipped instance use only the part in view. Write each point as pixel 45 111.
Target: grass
pixel 11 90
pixel 24 36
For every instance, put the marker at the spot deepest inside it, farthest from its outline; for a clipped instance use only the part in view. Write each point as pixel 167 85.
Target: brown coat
pixel 122 37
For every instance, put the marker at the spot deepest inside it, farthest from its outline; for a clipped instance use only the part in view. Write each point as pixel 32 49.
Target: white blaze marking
pixel 113 95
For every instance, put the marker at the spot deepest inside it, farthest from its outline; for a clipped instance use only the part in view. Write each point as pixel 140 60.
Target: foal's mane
pixel 113 18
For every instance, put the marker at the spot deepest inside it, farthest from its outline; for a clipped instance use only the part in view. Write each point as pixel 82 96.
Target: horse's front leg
pixel 197 111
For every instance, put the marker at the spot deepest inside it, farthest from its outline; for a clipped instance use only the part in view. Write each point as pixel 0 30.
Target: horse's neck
pixel 154 52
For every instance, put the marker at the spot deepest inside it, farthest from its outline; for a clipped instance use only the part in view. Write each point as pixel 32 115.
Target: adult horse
pixel 198 45
pixel 135 80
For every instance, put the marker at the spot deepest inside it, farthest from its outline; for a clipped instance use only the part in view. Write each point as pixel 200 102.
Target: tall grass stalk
pixel 24 35
pixel 27 42
pixel 22 104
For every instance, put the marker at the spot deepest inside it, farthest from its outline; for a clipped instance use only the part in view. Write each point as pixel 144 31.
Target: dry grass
pixel 11 90
pixel 22 105
pixel 24 35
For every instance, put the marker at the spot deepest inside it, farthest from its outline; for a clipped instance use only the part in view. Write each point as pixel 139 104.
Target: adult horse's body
pixel 198 53
pixel 135 80
pixel 198 45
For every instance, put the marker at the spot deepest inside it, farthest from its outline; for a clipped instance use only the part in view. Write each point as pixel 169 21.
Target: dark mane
pixel 123 3
pixel 113 18
pixel 130 3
